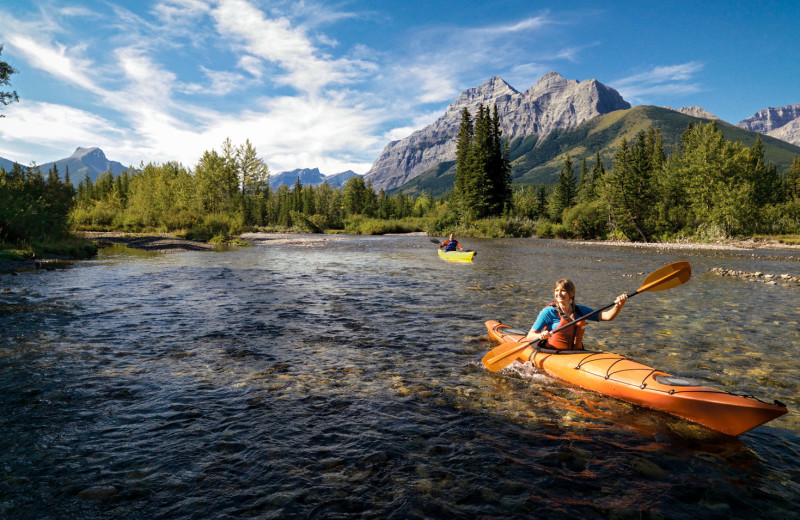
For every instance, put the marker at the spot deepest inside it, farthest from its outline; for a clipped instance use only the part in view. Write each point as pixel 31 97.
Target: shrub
pixel 586 220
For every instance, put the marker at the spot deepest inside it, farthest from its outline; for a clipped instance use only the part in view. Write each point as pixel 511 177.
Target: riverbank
pixel 158 242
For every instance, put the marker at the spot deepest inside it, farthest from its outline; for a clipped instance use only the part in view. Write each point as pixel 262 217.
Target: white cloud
pixel 58 60
pixel 56 126
pixel 277 40
pixel 252 65
pixel 660 80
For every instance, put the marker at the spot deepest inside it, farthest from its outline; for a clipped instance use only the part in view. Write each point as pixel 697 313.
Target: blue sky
pixel 328 84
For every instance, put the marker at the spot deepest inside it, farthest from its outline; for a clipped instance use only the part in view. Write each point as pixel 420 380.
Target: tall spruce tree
pixel 483 173
pixel 792 183
pixel 566 190
pixel 458 198
pixel 629 190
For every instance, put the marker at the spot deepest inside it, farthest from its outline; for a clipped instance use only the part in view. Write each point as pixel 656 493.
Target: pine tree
pixel 566 190
pixel 629 190
pixel 583 182
pixel 458 197
pixel 792 184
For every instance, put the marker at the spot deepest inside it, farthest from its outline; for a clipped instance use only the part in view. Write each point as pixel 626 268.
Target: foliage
pixel 229 192
pixel 587 219
pixel 6 70
pixel 33 208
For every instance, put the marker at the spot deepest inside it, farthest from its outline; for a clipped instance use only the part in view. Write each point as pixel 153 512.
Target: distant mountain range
pixel 85 161
pixel 93 162
pixel 310 176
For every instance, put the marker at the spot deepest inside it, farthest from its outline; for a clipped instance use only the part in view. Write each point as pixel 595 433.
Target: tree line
pixel 226 193
pixel 707 188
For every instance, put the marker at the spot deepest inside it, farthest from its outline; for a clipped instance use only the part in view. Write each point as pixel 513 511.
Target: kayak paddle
pixel 667 277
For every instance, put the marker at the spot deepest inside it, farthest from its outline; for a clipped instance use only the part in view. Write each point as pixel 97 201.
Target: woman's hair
pixel 568 285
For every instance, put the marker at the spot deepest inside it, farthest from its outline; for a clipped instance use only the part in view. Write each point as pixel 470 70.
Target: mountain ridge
pixel 541 164
pixel 781 122
pixel 553 103
pixel 310 176
pixel 89 161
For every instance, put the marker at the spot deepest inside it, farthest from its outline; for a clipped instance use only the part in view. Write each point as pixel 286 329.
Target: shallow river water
pixel 342 379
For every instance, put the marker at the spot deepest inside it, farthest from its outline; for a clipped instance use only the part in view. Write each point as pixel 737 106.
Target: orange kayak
pixel 625 379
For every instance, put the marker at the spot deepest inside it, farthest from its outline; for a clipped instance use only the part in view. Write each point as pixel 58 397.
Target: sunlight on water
pixel 343 378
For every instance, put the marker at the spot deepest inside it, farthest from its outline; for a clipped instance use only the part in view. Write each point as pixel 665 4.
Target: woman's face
pixel 561 295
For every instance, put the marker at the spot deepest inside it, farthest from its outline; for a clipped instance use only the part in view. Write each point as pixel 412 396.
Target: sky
pixel 328 84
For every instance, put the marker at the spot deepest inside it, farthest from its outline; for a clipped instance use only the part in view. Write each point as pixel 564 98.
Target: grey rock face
pixel 781 123
pixel 790 132
pixel 553 103
pixel 770 119
pixel 696 111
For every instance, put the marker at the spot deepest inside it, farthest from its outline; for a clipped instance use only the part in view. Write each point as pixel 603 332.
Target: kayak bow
pixel 627 380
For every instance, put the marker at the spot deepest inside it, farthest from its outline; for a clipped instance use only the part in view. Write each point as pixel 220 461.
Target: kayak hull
pixel 633 382
pixel 457 256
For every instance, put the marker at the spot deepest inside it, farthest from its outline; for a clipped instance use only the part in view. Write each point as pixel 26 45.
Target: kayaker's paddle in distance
pixel 667 277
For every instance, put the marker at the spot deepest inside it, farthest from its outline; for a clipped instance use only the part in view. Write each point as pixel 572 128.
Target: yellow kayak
pixel 457 256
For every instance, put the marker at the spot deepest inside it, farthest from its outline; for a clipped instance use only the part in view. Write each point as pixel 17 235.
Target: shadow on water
pixel 343 380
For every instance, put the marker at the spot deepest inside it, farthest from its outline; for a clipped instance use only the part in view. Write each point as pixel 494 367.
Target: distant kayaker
pixel 451 244
pixel 562 311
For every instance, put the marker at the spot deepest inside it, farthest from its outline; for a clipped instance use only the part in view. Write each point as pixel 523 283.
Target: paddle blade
pixel 667 277
pixel 500 357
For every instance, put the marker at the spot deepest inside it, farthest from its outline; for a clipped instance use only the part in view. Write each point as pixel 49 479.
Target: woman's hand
pixel 621 299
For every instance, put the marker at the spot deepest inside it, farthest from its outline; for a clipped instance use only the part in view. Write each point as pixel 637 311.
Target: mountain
pixel 340 179
pixel 85 161
pixel 553 104
pixel 696 111
pixel 310 176
pixel 781 123
pixel 541 163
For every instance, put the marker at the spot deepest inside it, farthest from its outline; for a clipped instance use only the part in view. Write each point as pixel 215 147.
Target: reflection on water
pixel 342 379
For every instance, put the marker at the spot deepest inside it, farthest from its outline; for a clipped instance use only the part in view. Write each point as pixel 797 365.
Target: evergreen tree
pixel 464 167
pixel 792 183
pixel 566 191
pixel 583 182
pixel 629 190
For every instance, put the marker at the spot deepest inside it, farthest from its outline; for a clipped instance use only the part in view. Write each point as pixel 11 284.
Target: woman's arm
pixel 613 312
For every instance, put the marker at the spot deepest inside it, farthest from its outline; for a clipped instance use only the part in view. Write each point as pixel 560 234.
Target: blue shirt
pixel 549 319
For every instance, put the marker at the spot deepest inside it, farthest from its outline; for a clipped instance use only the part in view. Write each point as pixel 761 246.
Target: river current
pixel 342 378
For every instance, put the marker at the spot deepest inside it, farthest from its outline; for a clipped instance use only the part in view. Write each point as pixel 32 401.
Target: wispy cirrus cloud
pixel 661 80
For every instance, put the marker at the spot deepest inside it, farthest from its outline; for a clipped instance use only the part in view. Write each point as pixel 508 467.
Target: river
pixel 343 379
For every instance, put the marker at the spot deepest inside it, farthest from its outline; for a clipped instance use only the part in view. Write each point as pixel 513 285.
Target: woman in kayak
pixel 562 311
pixel 451 244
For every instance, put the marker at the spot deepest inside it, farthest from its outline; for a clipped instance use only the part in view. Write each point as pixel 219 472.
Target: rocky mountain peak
pixel 486 93
pixel 93 152
pixel 769 119
pixel 696 111
pixel 553 103
pixel 781 123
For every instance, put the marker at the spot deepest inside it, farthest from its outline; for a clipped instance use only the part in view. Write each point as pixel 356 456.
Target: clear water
pixel 342 379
